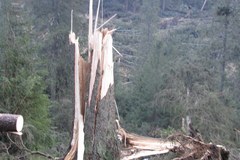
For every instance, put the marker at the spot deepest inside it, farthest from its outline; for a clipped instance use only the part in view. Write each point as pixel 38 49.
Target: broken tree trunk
pixel 97 119
pixel 77 143
pixel 101 141
pixel 186 147
pixel 11 123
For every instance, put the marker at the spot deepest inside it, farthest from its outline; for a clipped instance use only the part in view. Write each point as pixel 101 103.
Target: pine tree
pixel 22 86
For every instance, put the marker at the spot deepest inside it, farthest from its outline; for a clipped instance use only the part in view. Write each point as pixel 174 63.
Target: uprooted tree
pixel 96 134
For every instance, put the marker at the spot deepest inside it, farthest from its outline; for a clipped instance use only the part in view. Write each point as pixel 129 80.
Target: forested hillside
pixel 173 59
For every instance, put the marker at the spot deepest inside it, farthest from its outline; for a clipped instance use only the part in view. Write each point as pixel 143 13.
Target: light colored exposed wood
pixel 96 20
pixel 118 116
pixel 136 146
pixel 100 64
pixel 77 143
pixel 205 1
pixel 100 55
pixel 78 116
pixel 106 21
pixel 141 146
pixel 96 57
pixel 71 21
pixel 117 51
pixel 99 110
pixel 107 77
pixel 81 146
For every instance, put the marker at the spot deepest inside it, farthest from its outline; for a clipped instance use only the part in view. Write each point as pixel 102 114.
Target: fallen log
pixel 136 146
pixel 11 123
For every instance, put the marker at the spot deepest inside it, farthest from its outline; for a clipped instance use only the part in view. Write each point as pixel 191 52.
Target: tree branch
pixel 203 5
pixel 23 147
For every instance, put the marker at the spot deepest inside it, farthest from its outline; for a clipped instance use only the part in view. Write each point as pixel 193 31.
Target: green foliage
pixel 22 86
pixel 179 75
pixel 61 120
pixel 149 17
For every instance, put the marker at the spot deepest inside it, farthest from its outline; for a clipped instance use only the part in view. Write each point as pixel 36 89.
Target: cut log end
pixel 11 123
pixel 19 123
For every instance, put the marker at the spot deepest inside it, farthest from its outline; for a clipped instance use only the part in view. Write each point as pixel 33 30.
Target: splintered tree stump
pixel 11 123
pixel 101 140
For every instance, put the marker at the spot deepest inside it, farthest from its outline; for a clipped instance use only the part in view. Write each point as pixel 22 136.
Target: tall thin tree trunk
pixel 204 3
pixel 126 5
pixel 163 5
pixel 223 60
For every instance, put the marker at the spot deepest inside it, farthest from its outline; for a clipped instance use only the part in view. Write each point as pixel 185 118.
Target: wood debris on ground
pixel 186 147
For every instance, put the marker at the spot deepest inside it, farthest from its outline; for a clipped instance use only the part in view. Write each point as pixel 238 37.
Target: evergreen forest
pixel 172 59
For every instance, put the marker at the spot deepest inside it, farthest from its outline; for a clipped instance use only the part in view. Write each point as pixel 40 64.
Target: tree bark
pixel 100 140
pixel 11 123
pixel 105 144
pixel 98 118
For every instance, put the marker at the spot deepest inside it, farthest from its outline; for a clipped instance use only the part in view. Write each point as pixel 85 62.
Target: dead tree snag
pixel 98 116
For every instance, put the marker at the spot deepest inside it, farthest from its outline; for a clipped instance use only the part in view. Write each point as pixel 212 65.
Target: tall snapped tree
pixel 97 118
